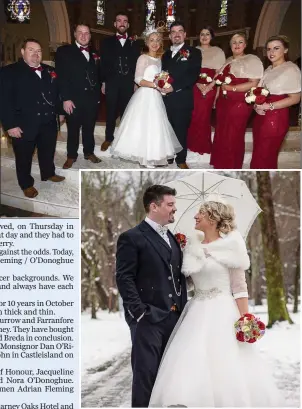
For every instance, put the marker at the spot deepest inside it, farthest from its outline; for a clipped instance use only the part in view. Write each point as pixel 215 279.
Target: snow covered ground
pixel 106 372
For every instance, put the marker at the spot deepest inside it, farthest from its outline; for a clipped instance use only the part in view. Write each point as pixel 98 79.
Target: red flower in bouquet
pixel 257 95
pixel 249 328
pixel 182 239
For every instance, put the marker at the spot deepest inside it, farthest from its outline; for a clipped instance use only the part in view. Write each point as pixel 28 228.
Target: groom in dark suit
pixel 78 71
pixel 183 64
pixel 119 55
pixel 149 279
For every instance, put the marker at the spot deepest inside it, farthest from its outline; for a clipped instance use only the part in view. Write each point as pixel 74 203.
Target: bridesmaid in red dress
pixel 232 112
pixel 283 80
pixel 213 58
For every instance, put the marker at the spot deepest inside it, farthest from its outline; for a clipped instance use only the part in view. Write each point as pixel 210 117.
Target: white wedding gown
pixel 145 134
pixel 203 364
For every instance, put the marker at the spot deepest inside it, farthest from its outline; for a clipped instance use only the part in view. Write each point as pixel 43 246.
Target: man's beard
pixel 122 30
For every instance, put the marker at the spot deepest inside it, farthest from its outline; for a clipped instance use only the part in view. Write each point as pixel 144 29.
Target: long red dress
pixel 199 133
pixel 269 131
pixel 232 114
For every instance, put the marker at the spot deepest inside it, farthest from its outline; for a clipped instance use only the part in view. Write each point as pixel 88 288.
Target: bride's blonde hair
pixel 160 51
pixel 222 214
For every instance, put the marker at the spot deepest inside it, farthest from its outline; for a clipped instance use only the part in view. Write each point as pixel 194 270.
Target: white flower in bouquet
pixel 265 92
pixel 209 79
pixel 228 80
pixel 250 99
pixel 218 82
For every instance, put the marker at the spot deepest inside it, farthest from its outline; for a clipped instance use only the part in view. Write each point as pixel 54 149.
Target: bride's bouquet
pixel 249 328
pixel 163 80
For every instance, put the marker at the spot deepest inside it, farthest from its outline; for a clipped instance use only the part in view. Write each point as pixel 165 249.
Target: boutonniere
pixel 95 57
pixel 53 75
pixel 184 54
pixel 132 38
pixel 182 240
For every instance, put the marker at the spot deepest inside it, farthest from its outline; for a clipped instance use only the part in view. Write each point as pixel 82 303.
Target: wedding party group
pixel 164 99
pixel 201 352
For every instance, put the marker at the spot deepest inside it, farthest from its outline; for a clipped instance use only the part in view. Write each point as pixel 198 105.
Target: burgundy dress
pixel 232 114
pixel 269 131
pixel 199 133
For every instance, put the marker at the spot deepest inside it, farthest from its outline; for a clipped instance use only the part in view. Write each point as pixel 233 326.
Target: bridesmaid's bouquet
pixel 249 328
pixel 224 78
pixel 257 95
pixel 163 80
pixel 204 78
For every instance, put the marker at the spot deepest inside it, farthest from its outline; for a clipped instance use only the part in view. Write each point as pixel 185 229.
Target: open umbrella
pixel 194 190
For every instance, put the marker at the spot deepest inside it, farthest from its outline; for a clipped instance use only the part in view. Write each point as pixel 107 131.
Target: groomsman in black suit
pixel 119 55
pixel 183 64
pixel 29 101
pixel 78 71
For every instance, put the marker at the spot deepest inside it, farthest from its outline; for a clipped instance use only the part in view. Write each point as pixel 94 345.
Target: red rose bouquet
pixel 224 77
pixel 249 328
pixel 95 57
pixel 53 75
pixel 163 80
pixel 184 54
pixel 182 239
pixel 257 95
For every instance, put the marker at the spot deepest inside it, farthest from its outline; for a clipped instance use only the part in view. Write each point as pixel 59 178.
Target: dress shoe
pixel 69 162
pixel 170 161
pixel 55 178
pixel 183 165
pixel 93 158
pixel 105 145
pixel 30 192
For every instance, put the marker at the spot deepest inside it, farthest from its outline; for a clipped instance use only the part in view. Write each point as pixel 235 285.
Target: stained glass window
pixel 223 15
pixel 100 12
pixel 150 14
pixel 170 13
pixel 19 10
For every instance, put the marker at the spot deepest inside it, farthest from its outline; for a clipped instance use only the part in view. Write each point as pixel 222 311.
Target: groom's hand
pixel 167 90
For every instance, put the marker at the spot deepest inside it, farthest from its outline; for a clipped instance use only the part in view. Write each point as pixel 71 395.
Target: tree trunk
pixel 92 293
pixel 297 280
pixel 277 309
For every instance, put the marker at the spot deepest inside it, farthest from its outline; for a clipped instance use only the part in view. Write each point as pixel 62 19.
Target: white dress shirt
pixel 122 40
pixel 175 49
pixel 86 53
pixel 157 227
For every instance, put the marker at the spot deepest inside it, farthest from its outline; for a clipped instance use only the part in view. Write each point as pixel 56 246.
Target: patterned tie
pixel 37 68
pixel 119 37
pixel 84 49
pixel 163 232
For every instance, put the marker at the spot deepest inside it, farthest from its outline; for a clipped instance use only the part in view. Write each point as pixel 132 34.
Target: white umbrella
pixel 194 190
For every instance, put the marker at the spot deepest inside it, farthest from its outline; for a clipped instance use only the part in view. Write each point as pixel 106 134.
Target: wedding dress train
pixel 203 364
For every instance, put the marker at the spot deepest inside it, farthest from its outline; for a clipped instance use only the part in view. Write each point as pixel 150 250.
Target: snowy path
pixel 114 389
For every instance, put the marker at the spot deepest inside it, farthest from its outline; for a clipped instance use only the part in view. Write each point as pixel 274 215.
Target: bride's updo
pixel 222 214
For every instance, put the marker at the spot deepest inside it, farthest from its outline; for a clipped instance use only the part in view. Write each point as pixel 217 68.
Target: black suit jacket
pixel 184 73
pixel 111 52
pixel 142 274
pixel 21 100
pixel 78 78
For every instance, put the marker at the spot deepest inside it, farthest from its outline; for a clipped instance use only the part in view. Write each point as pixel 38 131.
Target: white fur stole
pixel 229 250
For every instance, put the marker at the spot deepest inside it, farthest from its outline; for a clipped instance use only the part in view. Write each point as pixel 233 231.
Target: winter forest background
pixel 112 203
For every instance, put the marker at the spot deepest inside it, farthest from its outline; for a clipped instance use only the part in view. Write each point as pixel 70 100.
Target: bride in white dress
pixel 145 134
pixel 203 364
